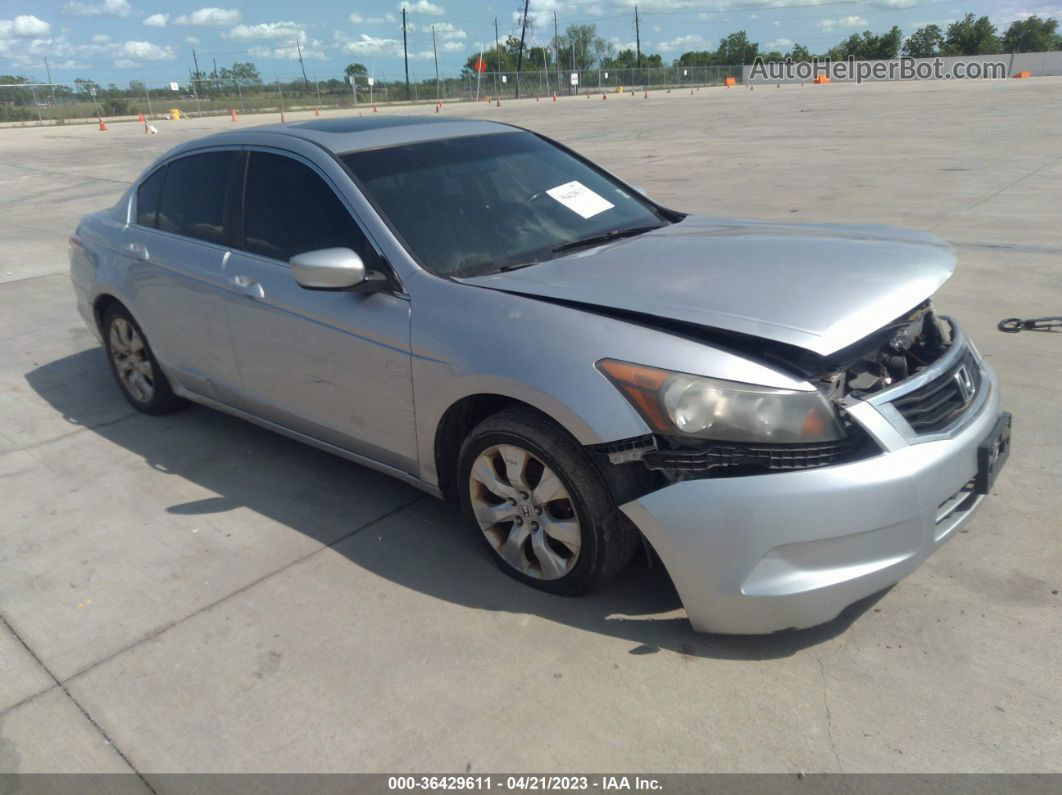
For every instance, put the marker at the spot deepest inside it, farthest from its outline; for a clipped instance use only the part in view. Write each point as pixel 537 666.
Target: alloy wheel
pixel 131 360
pixel 525 512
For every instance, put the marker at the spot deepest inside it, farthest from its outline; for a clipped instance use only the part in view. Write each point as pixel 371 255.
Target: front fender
pixel 469 340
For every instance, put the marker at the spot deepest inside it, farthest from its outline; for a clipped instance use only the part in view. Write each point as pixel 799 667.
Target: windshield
pixel 479 204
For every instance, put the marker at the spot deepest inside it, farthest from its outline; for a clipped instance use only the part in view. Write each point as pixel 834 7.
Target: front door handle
pixel 248 286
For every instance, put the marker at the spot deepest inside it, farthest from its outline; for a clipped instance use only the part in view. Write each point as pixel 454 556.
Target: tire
pixel 134 366
pixel 496 511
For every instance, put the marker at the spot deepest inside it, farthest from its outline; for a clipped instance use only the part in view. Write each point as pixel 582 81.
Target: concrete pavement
pixel 193 593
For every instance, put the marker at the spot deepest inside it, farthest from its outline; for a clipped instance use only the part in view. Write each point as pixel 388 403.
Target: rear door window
pixel 193 196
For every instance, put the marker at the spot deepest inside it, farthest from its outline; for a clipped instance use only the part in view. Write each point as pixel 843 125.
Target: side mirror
pixel 333 269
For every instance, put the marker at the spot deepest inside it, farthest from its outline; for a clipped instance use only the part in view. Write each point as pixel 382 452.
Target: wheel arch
pixel 458 421
pixel 102 303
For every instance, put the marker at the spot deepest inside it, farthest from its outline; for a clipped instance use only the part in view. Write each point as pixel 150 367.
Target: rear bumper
pixel 760 554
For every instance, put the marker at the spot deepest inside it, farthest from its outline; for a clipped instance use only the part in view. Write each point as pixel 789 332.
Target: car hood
pixel 821 287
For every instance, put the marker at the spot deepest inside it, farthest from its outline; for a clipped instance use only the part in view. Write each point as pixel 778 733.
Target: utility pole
pixel 438 85
pixel 497 54
pixel 556 48
pixel 216 87
pixel 637 35
pixel 305 82
pixel 405 50
pixel 195 77
pixel 52 85
pixel 520 57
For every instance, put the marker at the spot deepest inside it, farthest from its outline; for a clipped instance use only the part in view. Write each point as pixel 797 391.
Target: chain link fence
pixel 58 103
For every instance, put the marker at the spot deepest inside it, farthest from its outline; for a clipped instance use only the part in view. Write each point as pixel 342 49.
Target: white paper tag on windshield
pixel 580 199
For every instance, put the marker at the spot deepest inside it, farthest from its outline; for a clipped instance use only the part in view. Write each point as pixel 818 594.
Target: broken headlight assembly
pixel 696 407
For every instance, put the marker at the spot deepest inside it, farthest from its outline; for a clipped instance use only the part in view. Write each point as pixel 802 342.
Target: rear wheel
pixel 542 509
pixel 134 366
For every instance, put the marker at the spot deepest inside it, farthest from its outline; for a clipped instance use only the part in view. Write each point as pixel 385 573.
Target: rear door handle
pixel 138 250
pixel 248 286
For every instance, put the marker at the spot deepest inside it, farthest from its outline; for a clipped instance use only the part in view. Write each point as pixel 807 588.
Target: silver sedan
pixel 774 410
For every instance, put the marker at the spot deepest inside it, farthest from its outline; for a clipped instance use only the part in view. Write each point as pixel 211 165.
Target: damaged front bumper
pixel 789 550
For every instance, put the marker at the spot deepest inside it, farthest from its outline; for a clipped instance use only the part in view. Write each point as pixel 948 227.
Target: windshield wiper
pixel 615 234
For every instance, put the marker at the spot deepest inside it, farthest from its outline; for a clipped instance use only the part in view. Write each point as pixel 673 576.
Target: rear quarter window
pixel 147 199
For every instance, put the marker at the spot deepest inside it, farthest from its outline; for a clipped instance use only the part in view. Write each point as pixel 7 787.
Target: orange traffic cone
pixel 316 111
pixel 103 124
pixel 646 94
pixel 604 96
pixel 233 113
pixel 282 117
pixel 498 102
pixel 140 117
pixel 554 96
pixel 436 107
pixel 374 109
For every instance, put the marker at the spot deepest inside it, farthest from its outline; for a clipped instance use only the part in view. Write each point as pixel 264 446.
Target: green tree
pixel 628 59
pixel 736 49
pixel 245 74
pixel 868 46
pixel 355 70
pixel 1032 35
pixel 799 53
pixel 696 58
pixel 971 36
pixel 580 47
pixel 925 42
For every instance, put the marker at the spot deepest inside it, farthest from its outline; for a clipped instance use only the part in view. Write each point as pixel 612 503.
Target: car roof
pixel 356 133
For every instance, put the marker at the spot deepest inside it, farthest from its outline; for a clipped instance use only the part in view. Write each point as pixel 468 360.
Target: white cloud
pixel 101 38
pixel 373 45
pixel 358 19
pixel 208 17
pixel 311 51
pixel 23 26
pixel 843 22
pixel 191 39
pixel 423 7
pixel 448 31
pixel 157 20
pixel 853 22
pixel 680 43
pixel 147 51
pixel 266 30
pixel 893 3
pixel 621 45
pixel 453 46
pixel 116 8
pixel 780 44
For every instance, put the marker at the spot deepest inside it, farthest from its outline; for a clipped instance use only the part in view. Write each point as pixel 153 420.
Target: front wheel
pixel 535 498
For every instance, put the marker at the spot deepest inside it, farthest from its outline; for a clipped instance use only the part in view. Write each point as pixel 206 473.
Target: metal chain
pixel 1012 325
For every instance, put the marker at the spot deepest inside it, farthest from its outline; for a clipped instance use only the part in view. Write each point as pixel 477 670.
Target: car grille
pixel 787 456
pixel 935 406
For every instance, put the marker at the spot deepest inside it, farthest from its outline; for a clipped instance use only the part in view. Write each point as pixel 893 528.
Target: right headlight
pixel 679 404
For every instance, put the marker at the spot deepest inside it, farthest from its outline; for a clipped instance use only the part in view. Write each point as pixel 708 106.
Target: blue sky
pixel 152 40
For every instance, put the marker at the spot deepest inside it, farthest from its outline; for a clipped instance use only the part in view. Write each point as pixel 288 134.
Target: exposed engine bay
pixel 893 354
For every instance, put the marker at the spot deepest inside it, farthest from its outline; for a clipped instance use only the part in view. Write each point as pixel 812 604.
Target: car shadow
pixel 247 466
